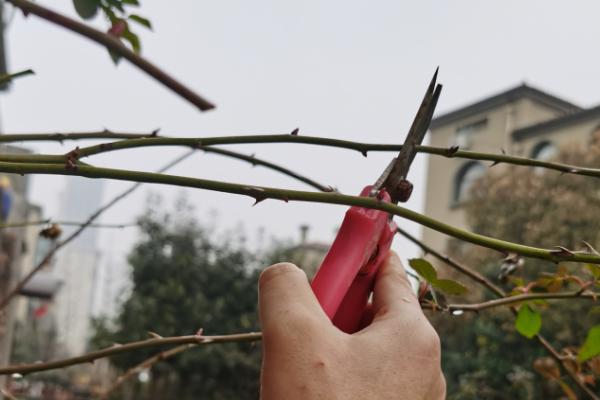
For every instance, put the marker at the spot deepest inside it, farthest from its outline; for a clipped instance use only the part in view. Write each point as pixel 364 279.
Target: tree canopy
pixel 484 356
pixel 187 277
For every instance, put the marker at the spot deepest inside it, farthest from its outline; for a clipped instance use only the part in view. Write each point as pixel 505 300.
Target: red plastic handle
pixel 344 281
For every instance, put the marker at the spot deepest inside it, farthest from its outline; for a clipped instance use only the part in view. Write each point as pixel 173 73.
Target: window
pixel 464 134
pixel 465 178
pixel 543 151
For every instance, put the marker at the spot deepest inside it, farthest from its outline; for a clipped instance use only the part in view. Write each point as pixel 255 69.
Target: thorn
pixel 295 132
pixel 364 153
pixel 106 146
pixel 257 193
pixel 252 156
pixel 590 248
pixel 451 151
pixel 495 163
pixel 503 151
pixel 330 189
pixel 573 171
pixel 155 132
pixel 199 332
pixel 154 335
pixel 562 251
pixel 258 200
pixel 106 131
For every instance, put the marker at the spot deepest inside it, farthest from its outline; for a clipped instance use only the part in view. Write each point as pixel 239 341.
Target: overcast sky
pixel 343 69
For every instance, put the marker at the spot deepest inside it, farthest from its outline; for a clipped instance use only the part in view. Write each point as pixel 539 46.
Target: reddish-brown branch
pixel 512 300
pixel 116 46
pixel 21 284
pixel 146 364
pixel 123 348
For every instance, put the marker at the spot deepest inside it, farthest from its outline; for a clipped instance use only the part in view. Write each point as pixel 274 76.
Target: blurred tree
pixel 483 355
pixel 185 278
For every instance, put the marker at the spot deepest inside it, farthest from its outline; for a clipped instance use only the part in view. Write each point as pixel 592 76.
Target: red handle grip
pixel 353 252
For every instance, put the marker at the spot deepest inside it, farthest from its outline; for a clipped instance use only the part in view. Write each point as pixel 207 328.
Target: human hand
pixel 306 357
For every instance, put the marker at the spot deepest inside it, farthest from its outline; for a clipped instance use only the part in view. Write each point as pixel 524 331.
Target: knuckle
pixel 399 277
pixel 429 342
pixel 276 271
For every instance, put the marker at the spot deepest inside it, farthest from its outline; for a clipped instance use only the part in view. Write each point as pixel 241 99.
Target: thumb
pixel 285 297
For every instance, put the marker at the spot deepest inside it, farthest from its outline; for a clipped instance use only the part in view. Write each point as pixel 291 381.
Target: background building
pixel 522 121
pixel 76 265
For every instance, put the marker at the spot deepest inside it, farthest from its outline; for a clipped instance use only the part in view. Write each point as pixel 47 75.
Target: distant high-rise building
pixel 76 265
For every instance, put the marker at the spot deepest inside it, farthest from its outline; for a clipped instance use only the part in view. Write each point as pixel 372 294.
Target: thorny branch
pixel 48 257
pixel 512 300
pixel 132 346
pixel 149 140
pixel 63 223
pixel 251 159
pixel 115 46
pixel 61 137
pixel 501 294
pixel 261 193
pixel 146 364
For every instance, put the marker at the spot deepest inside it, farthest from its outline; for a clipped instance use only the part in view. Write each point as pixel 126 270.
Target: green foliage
pixel 186 277
pixel 427 272
pixel 424 269
pixel 86 9
pixel 116 12
pixel 591 346
pixel 538 208
pixel 450 286
pixel 528 322
pixel 141 20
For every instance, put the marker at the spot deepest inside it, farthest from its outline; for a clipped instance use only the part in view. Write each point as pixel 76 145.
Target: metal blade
pixel 392 177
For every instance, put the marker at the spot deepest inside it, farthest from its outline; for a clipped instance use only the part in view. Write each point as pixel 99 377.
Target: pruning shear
pixel 344 281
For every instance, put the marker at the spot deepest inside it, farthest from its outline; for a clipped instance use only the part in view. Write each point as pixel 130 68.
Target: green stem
pixel 60 137
pixel 203 142
pixel 263 193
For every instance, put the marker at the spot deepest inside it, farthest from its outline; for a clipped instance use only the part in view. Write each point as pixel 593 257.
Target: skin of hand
pixel 397 356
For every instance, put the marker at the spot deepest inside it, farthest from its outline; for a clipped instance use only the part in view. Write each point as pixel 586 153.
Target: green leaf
pixel 116 4
pixel 594 269
pixel 133 39
pixel 449 286
pixel 591 346
pixel 86 8
pixel 141 20
pixel 115 57
pixel 131 2
pixel 528 322
pixel 424 269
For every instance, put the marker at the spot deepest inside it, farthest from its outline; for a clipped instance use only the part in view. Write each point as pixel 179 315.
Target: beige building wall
pixel 491 137
pixel 577 132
